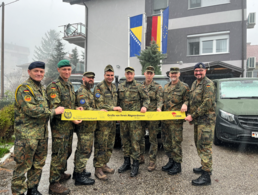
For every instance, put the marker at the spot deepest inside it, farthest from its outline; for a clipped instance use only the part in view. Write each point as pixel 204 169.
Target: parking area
pixel 235 172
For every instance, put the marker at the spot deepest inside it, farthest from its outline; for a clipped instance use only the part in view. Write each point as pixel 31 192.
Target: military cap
pixel 37 64
pixel 89 74
pixel 150 69
pixel 129 69
pixel 109 68
pixel 174 70
pixel 63 63
pixel 199 65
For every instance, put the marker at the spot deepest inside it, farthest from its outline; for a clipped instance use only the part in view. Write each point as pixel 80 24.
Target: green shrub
pixel 3 151
pixel 4 103
pixel 7 122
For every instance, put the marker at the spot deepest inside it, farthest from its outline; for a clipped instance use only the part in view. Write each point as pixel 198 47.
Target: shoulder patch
pixel 97 95
pixel 82 101
pixel 208 86
pixel 27 98
pixel 53 95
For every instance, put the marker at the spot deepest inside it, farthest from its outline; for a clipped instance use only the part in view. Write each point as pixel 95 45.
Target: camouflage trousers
pixel 105 136
pixel 172 133
pixel 85 134
pixel 203 138
pixel 131 136
pixel 30 156
pixel 61 151
pixel 153 127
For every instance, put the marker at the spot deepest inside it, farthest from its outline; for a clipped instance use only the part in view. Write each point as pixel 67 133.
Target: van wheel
pixel 216 141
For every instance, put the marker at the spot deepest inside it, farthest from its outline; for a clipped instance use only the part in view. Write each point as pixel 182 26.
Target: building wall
pixel 108 35
pixel 184 21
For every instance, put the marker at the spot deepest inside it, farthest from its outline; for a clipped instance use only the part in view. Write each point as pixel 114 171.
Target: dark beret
pixel 199 65
pixel 36 64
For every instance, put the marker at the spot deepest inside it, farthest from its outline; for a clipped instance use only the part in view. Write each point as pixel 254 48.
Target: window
pixel 249 74
pixel 208 44
pixel 158 5
pixel 205 3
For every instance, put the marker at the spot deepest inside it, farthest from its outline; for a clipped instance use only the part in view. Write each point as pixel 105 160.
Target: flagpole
pixel 144 31
pixel 128 42
pixel 161 23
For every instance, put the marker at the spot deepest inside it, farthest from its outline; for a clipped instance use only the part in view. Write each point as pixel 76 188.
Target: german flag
pixel 26 90
pixel 153 30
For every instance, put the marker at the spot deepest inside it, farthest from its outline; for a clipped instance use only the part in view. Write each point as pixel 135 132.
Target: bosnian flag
pixel 135 35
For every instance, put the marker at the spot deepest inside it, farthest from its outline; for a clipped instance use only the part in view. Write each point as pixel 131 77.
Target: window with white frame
pixel 159 5
pixel 205 3
pixel 206 44
pixel 249 74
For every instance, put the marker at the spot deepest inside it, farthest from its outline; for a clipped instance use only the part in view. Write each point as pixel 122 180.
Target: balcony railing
pixel 72 30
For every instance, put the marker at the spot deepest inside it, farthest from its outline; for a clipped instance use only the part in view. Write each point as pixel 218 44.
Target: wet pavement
pixel 234 172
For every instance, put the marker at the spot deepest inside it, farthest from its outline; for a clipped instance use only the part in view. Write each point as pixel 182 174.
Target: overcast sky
pixel 26 21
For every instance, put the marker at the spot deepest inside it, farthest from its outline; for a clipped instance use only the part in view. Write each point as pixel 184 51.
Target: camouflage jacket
pixel 129 98
pixel 104 97
pixel 31 112
pixel 155 92
pixel 85 99
pixel 202 100
pixel 61 93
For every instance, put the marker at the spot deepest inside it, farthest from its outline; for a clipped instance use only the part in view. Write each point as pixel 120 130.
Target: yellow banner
pixel 88 115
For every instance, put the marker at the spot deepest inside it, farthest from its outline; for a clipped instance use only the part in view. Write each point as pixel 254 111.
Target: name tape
pixel 89 115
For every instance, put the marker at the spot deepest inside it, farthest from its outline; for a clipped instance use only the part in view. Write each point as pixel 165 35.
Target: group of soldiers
pixel 35 106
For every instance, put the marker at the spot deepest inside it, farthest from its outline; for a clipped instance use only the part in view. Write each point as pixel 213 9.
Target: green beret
pixel 109 68
pixel 129 69
pixel 174 70
pixel 89 74
pixel 63 63
pixel 150 69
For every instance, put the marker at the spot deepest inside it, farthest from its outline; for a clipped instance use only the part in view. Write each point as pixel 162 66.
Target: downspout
pixel 243 38
pixel 86 40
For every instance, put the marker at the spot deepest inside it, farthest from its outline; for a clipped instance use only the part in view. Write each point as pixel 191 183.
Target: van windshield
pixel 239 89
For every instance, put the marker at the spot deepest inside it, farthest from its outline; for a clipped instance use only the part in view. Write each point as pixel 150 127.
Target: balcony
pixel 251 21
pixel 75 34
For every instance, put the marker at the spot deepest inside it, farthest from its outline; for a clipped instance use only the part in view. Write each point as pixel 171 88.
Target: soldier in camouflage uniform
pixel 156 102
pixel 61 93
pixel 202 115
pixel 85 131
pixel 130 94
pixel 31 131
pixel 105 98
pixel 176 96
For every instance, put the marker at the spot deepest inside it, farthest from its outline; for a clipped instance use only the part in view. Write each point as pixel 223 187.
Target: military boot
pixel 57 188
pixel 126 166
pixel 152 166
pixel 99 174
pixel 175 169
pixel 33 191
pixel 168 165
pixel 135 168
pixel 87 174
pixel 203 180
pixel 82 179
pixel 107 169
pixel 65 177
pixel 142 160
pixel 199 170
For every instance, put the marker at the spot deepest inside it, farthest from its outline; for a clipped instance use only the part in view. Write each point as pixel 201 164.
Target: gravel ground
pixel 235 172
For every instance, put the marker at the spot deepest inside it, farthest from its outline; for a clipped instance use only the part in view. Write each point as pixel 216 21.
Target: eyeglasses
pixel 198 70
